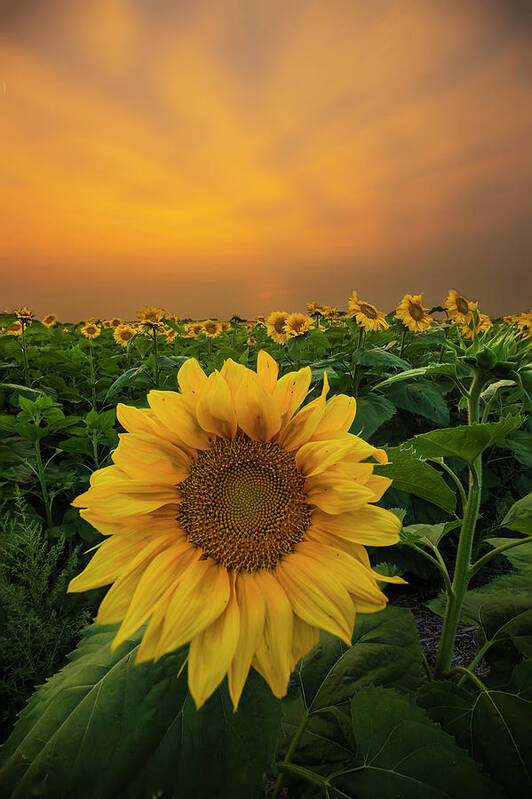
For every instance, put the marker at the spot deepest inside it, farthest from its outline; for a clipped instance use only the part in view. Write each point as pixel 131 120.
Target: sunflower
pixel 25 314
pixel 524 321
pixel 226 327
pixel 171 334
pixel 211 328
pixel 115 322
pixel 91 331
pixel 315 308
pixel 298 323
pixel 123 333
pixel 14 329
pixel 251 342
pixel 237 524
pixel 107 324
pixel 49 320
pixel 459 308
pixel 150 313
pixel 483 323
pixel 412 314
pixel 366 315
pixel 276 326
pixel 193 329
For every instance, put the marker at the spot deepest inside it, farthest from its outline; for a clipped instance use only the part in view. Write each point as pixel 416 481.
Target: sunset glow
pixel 232 157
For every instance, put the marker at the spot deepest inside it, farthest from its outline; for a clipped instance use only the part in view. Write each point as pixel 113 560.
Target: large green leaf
pixel 447 369
pixel 520 556
pixel 414 476
pixel 466 441
pixel 494 725
pixel 105 727
pixel 422 399
pixel 371 413
pixel 519 517
pixel 377 357
pixel 402 754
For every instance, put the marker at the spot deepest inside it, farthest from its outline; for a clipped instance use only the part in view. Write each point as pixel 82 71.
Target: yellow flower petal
pixel 316 456
pixel 175 414
pixel 145 457
pixel 214 410
pixel 252 612
pixel 192 380
pixel 257 412
pixel 339 416
pixel 369 525
pixel 201 596
pixel 305 638
pixel 108 562
pixel 212 650
pixel 267 370
pixel 290 391
pixel 340 496
pixel 273 658
pixel 300 428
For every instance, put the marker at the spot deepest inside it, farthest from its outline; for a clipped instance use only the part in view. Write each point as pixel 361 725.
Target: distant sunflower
pixel 276 327
pixel 483 323
pixel 123 333
pixel 115 322
pixel 524 321
pixel 366 315
pixel 298 323
pixel 193 329
pixel 49 320
pixel 211 328
pixel 107 324
pixel 171 334
pixel 459 308
pixel 14 329
pixel 412 314
pixel 251 341
pixel 25 314
pixel 150 313
pixel 315 308
pixel 91 331
pixel 226 327
pixel 237 524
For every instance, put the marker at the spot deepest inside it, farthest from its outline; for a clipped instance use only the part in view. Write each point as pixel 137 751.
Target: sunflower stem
pixel 462 567
pixel 42 480
pixel 403 338
pixel 290 753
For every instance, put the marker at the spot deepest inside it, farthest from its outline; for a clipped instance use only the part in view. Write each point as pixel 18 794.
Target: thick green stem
pixel 290 753
pixel 462 569
pixel 95 450
pixel 44 487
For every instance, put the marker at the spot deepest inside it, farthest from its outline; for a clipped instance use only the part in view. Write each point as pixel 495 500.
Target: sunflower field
pixel 281 557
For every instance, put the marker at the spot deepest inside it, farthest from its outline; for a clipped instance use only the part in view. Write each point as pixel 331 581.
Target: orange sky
pixel 247 155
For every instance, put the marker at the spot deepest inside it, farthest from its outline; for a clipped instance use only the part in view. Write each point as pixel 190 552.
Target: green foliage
pixel 466 442
pixel 411 474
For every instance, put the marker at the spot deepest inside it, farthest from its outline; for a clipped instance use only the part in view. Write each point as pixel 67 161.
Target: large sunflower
pixel 366 315
pixel 276 327
pixel 237 524
pixel 412 314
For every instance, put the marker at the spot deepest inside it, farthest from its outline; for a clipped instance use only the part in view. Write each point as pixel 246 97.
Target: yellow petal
pixel 164 571
pixel 378 485
pixel 110 559
pixel 134 420
pixel 339 416
pixel 300 428
pixel 273 657
pixel 368 525
pixel 305 638
pixel 317 456
pixel 233 373
pixel 144 457
pixel 201 596
pixel 177 416
pixel 256 410
pixel 315 598
pixel 212 650
pixel 290 391
pixel 341 496
pixel 267 370
pixel 192 380
pixel 214 410
pixel 252 610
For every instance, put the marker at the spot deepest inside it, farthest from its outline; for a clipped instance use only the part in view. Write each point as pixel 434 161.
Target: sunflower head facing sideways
pixel 123 334
pixel 276 327
pixel 412 314
pixel 459 308
pixel 236 523
pixel 366 314
pixel 151 314
pixel 49 320
pixel 298 323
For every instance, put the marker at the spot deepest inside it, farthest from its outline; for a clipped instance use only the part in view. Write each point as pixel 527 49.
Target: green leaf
pixel 494 725
pixel 402 754
pixel 520 556
pixel 447 369
pixel 371 413
pixel 105 727
pixel 125 378
pixel 422 399
pixel 520 444
pixel 466 441
pixel 377 357
pixel 427 534
pixel 519 517
pixel 416 477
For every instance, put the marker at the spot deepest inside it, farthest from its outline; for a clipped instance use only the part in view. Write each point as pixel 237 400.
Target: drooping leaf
pixel 93 729
pixel 447 369
pixel 414 476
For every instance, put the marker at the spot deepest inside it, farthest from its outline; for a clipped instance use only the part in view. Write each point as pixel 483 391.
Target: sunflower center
pixel 416 311
pixel 368 310
pixel 279 324
pixel 462 305
pixel 243 504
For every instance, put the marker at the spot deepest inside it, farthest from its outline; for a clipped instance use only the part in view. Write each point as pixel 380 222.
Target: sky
pixel 243 156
